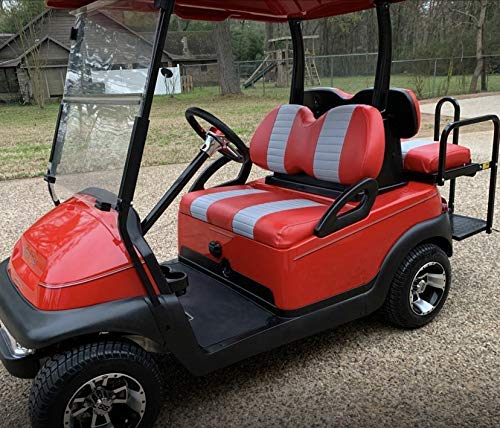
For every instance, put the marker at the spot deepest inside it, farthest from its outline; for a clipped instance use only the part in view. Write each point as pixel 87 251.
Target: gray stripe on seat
pixel 330 142
pixel 245 220
pixel 200 206
pixel 406 146
pixel 279 137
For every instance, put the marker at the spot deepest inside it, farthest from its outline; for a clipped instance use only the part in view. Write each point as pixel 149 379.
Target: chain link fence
pixel 428 77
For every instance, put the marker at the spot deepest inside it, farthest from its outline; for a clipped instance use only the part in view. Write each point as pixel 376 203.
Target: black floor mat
pixel 218 313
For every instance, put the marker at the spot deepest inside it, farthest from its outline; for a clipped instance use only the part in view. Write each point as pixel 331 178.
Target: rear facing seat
pixel 420 156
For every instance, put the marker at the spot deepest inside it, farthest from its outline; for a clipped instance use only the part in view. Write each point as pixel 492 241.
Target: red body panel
pixel 73 257
pixel 315 268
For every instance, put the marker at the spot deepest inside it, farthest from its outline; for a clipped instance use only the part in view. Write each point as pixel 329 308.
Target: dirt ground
pixel 363 374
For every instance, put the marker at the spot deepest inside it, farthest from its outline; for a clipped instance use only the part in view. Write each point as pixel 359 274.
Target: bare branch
pixel 461 12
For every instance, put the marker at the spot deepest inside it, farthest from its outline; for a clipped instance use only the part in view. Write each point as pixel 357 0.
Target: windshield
pixel 105 84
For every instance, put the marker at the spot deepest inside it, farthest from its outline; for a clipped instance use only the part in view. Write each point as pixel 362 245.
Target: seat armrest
pixel 332 221
pixel 452 127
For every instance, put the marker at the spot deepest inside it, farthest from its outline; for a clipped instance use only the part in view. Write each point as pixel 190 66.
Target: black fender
pixel 436 230
pixel 37 329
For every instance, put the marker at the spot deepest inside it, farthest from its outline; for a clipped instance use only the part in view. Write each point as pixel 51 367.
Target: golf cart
pixel 348 221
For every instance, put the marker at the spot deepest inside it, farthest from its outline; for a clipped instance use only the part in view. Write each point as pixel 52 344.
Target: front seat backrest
pixel 343 146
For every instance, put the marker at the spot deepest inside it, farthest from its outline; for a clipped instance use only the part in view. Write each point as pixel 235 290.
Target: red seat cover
pixel 344 145
pixel 273 216
pixel 423 156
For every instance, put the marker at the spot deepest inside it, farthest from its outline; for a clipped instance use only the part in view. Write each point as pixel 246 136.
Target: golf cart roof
pixel 256 10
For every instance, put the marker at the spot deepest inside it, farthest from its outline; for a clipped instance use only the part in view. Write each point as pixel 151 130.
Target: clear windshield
pixel 105 83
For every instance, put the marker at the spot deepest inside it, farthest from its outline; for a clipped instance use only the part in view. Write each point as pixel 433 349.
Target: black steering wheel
pixel 230 145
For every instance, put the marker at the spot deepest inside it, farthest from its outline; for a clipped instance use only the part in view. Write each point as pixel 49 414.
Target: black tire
pixel 397 308
pixel 63 374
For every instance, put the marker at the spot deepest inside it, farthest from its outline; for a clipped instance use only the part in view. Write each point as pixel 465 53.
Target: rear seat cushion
pixel 344 145
pixel 423 156
pixel 275 217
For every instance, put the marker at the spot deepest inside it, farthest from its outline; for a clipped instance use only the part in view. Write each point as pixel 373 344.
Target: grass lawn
pixel 27 131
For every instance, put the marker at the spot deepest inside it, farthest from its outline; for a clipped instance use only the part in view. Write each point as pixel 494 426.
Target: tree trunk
pixel 479 46
pixel 229 80
pixel 484 76
pixel 269 34
pixel 325 43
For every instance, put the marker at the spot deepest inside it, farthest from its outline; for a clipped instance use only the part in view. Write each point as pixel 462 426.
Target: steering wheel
pixel 228 143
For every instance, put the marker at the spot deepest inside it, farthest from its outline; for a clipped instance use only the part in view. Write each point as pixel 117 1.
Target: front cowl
pixel 73 257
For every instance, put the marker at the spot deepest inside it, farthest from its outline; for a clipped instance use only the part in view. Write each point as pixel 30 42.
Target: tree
pixel 35 59
pixel 229 80
pixel 478 71
pixel 18 12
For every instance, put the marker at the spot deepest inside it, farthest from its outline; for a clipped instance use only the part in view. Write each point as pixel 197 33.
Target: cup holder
pixel 176 280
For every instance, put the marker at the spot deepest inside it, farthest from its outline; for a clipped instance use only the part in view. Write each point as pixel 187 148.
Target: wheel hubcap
pixel 112 400
pixel 427 289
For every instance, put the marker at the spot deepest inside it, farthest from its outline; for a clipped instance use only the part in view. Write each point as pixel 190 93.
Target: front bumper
pixel 35 329
pixel 19 361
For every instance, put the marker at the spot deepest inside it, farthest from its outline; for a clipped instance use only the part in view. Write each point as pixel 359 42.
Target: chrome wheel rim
pixel 112 400
pixel 427 288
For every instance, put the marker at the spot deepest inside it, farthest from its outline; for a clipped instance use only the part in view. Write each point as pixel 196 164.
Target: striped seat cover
pixel 343 146
pixel 275 217
pixel 423 156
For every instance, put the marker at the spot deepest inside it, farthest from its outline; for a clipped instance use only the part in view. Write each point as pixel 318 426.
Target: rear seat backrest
pixel 402 106
pixel 343 146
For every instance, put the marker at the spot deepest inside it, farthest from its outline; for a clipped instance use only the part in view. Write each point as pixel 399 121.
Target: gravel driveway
pixel 362 374
pixel 470 107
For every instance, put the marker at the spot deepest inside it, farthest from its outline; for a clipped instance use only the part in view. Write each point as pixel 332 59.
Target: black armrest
pixel 331 221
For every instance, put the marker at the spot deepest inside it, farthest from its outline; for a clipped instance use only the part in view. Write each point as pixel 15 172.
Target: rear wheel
pixel 105 384
pixel 419 288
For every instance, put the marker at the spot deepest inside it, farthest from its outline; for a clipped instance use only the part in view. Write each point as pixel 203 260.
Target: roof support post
pixel 297 88
pixel 141 125
pixel 384 62
pixel 128 226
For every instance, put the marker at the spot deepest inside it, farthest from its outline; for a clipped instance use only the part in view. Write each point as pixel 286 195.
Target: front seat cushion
pixel 276 217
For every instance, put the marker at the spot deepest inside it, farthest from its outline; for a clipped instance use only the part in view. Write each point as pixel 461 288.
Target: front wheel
pixel 104 384
pixel 419 288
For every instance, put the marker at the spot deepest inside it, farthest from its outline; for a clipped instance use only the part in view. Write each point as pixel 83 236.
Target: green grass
pixel 423 86
pixel 27 131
